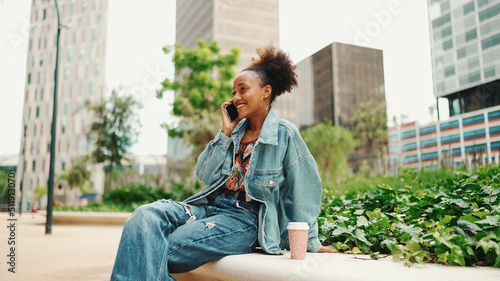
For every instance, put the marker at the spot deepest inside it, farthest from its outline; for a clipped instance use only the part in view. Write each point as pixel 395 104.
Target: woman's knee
pixel 142 215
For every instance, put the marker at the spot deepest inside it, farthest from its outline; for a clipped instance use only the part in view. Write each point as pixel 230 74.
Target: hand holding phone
pixel 232 112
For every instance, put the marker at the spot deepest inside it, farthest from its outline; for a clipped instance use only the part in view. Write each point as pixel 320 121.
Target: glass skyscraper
pixel 465 43
pixel 465 46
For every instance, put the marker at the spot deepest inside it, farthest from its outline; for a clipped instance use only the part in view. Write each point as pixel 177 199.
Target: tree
pixel 370 129
pixel 330 146
pixel 4 187
pixel 114 129
pixel 40 191
pixel 203 83
pixel 78 174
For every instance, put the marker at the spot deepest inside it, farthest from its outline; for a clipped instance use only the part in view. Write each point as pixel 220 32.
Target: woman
pixel 260 176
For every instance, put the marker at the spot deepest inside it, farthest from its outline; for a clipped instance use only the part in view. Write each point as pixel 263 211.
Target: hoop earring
pixel 261 100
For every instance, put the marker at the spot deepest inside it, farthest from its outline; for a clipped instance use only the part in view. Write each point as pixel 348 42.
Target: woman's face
pixel 248 92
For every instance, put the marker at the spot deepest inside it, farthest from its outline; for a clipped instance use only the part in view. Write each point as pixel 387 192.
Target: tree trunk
pixel 110 176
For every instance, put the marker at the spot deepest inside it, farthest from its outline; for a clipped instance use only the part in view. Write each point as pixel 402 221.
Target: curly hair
pixel 276 69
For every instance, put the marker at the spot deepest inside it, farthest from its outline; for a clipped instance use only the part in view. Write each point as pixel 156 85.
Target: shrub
pixel 437 216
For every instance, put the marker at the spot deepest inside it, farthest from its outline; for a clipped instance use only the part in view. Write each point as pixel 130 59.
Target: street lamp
pixel 50 192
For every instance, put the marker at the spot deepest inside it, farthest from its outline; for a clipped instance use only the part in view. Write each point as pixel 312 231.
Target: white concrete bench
pixel 324 266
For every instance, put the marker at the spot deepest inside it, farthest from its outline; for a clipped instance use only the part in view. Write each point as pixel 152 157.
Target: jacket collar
pixel 269 132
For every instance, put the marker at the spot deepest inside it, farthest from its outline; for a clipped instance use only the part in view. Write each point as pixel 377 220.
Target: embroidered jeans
pixel 171 237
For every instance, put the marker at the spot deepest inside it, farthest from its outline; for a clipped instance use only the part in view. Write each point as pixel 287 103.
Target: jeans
pixel 171 237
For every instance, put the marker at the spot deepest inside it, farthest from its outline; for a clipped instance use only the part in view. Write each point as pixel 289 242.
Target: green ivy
pixel 455 221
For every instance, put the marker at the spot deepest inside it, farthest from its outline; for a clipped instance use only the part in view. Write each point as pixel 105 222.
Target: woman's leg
pixel 142 253
pixel 230 228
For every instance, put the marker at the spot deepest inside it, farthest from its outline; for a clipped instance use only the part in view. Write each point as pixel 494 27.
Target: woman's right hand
pixel 227 125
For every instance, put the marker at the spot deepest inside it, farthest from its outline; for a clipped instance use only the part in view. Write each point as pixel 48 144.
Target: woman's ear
pixel 267 91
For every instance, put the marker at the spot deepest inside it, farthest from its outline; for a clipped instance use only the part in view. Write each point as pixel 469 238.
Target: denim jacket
pixel 281 174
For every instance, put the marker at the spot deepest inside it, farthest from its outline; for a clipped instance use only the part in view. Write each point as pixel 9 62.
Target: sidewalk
pixel 71 252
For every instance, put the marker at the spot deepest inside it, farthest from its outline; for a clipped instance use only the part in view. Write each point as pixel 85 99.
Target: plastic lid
pixel 298 225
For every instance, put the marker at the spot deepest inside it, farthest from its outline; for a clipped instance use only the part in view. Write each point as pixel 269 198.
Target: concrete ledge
pixel 88 218
pixel 324 266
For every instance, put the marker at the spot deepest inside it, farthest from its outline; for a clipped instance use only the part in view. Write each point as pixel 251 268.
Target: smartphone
pixel 232 112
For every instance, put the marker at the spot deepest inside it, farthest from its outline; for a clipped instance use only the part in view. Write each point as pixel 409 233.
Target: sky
pixel 137 31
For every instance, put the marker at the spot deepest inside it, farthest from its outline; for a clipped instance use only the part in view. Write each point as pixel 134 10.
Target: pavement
pixel 87 251
pixel 72 252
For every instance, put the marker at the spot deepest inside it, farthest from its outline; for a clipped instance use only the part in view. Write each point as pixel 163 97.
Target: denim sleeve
pixel 209 164
pixel 305 189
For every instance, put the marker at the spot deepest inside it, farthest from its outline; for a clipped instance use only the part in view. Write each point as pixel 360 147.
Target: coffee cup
pixel 297 237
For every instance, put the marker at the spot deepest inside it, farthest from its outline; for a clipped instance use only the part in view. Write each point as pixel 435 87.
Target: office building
pixel 465 44
pixel 243 24
pixel 81 66
pixel 463 140
pixel 465 47
pixel 332 83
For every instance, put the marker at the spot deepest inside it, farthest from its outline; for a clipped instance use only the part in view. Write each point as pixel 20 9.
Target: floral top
pixel 237 179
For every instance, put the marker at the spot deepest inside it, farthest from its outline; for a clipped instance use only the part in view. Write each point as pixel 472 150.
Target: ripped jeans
pixel 170 237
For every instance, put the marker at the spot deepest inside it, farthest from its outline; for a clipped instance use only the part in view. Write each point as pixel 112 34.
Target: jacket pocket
pixel 269 179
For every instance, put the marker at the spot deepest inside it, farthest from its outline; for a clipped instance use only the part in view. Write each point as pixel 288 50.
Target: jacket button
pixel 271 181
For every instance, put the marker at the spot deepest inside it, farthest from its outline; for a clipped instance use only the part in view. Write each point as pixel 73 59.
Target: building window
pixel 481 3
pixel 63 165
pixel 427 129
pixel 94 34
pixel 462 52
pixel 63 127
pixel 41 59
pixel 430 155
pixel 470 35
pixel 448 125
pixel 72 8
pixel 429 142
pixel 411 158
pixel 66 73
pixel 44 13
pixel 468 8
pixel 474 134
pixel 37 111
pixel 409 146
pixel 441 21
pixel 84 6
pixel 489 13
pixel 448 44
pixel 489 71
pixel 70 55
pixel 33 168
pixel 91 88
pixel 408 134
pixel 446 32
pixel 98 69
pixel 450 138
pixel 66 109
pixel 29 78
pixel 89 144
pixel 450 70
pixel 82 53
pixel 490 41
